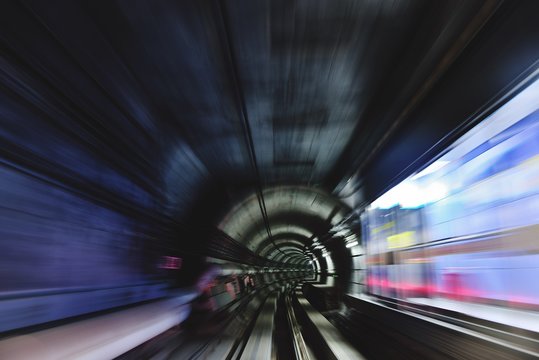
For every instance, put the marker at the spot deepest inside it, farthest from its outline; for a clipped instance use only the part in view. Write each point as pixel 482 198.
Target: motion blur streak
pixel 103 337
pixel 475 240
pixel 228 179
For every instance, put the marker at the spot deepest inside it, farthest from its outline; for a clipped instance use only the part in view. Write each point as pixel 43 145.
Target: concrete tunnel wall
pixel 86 211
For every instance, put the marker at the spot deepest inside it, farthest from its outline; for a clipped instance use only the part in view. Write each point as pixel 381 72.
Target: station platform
pixel 519 319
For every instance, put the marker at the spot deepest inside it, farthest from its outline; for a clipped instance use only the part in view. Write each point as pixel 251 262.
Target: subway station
pixel 269 179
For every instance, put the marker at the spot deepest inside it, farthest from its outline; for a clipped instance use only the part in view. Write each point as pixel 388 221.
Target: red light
pixel 170 262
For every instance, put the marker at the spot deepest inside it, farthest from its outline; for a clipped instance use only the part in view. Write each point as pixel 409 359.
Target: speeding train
pixel 466 227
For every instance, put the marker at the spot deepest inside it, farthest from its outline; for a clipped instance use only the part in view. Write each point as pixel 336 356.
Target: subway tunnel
pixel 305 179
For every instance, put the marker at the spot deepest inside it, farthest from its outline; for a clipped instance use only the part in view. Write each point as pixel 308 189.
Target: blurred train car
pixel 466 227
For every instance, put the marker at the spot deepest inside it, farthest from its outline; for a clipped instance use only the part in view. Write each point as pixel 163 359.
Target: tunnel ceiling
pixel 278 95
pixel 296 216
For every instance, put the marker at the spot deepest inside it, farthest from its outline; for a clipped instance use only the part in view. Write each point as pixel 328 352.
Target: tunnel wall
pixel 86 210
pixel 70 242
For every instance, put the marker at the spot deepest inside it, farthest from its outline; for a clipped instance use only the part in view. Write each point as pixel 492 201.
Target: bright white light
pixel 325 254
pixel 387 201
pixel 409 195
pixel 406 194
pixel 352 244
pixel 435 192
pixel 341 233
pixel 432 168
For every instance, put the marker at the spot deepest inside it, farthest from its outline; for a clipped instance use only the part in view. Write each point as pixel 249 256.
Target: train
pixel 465 228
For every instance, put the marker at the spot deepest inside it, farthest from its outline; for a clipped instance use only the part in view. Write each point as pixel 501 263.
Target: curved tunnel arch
pixel 298 217
pixel 267 246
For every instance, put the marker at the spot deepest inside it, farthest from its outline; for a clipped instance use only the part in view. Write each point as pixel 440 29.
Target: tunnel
pixel 269 179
